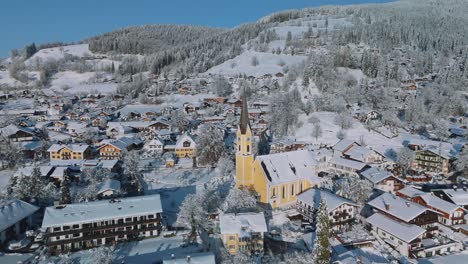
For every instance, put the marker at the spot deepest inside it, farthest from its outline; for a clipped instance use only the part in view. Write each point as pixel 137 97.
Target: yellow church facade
pixel 276 178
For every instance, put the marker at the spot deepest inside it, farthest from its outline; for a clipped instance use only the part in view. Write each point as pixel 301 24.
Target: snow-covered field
pixel 5 79
pixel 69 79
pixel 103 88
pixel 79 50
pixel 268 63
pixel 329 130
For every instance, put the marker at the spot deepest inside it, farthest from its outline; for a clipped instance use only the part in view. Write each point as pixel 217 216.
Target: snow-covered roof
pixel 12 211
pixel 398 207
pixel 242 224
pixel 289 166
pixel 141 109
pixel 403 231
pixel 13 129
pixel 183 138
pixel 411 192
pixel 28 170
pixel 123 142
pixel 197 258
pixel 313 197
pixel 101 210
pixel 444 149
pixel 439 204
pixel 71 147
pixel 458 196
pixel 356 165
pixel 109 184
pixel 359 153
pixel 343 144
pixel 376 175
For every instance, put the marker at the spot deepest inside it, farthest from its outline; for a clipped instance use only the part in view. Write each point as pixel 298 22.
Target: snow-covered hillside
pixel 267 63
pixel 79 50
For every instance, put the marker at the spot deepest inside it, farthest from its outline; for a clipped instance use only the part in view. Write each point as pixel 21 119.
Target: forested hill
pixel 149 39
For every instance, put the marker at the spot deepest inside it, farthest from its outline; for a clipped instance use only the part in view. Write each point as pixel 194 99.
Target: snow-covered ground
pixel 23 103
pixel 57 53
pixel 268 64
pixel 5 79
pixel 103 88
pixel 69 79
pixel 330 129
pixel 457 258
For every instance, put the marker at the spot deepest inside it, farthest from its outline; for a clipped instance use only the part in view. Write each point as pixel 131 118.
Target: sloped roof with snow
pixel 458 196
pixel 101 210
pixel 12 211
pixel 72 147
pixel 289 166
pixel 109 184
pixel 439 204
pixel 343 144
pixel 403 231
pixel 359 153
pixel 185 137
pixel 197 258
pixel 398 207
pixel 356 165
pixel 313 197
pixel 242 224
pixel 411 192
pixel 376 175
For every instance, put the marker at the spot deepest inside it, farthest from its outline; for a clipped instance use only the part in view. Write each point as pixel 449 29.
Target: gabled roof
pixel 439 204
pixel 411 192
pixel 458 196
pixel 242 224
pixel 289 166
pixel 71 147
pixel 403 231
pixel 184 137
pixel 109 184
pixel 343 144
pixel 398 207
pixel 356 165
pixel 376 175
pixel 12 211
pixel 313 197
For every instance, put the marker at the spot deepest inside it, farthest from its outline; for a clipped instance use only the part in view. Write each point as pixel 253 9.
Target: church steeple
pixel 244 118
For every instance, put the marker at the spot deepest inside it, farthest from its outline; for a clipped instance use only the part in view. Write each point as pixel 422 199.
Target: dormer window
pixel 186 144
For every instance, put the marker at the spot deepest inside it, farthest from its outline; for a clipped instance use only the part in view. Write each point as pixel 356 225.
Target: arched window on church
pixel 239 147
pixel 292 189
pixel 248 148
pixel 284 192
pixel 301 188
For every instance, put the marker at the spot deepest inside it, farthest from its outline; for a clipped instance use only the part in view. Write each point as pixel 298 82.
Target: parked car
pixel 15 245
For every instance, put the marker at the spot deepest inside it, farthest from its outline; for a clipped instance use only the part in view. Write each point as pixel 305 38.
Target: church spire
pixel 244 118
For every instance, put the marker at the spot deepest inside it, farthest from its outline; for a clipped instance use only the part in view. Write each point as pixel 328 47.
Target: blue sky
pixel 39 21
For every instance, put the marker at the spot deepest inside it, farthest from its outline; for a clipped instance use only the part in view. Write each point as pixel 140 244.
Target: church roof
pixel 244 118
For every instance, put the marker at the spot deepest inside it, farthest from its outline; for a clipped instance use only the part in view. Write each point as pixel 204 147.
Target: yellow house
pixel 70 152
pixel 185 146
pixel 243 232
pixel 276 178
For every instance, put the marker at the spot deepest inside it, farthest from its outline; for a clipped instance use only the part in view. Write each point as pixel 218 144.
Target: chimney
pixel 387 206
pixel 407 204
pixel 189 258
pixel 172 256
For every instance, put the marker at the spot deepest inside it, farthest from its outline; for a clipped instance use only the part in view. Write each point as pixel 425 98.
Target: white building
pixel 15 218
pixel 84 225
pixel 154 147
pixel 382 180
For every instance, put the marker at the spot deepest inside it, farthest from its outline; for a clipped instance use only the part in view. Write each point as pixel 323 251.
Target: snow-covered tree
pixel 343 120
pixel 132 170
pixel 180 120
pixel 461 164
pixel 321 249
pixel 254 61
pixel 239 200
pixel 221 86
pixel 297 257
pixel 210 145
pixel 316 131
pixel 192 215
pixel 353 188
pixel 404 159
pixel 65 191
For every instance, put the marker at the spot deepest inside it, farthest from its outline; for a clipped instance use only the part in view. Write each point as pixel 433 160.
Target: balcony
pixel 104 227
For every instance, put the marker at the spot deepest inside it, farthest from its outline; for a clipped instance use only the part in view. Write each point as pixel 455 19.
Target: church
pixel 276 178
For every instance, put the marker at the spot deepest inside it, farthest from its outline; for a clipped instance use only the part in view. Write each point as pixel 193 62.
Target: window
pixel 231 237
pixel 292 190
pixel 56 229
pixel 239 147
pixel 284 192
pixel 248 148
pixel 186 144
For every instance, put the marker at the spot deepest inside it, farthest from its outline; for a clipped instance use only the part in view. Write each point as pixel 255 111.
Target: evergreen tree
pixel 321 250
pixel 65 191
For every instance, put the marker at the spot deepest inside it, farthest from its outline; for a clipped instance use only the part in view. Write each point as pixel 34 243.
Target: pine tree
pixel 65 191
pixel 321 250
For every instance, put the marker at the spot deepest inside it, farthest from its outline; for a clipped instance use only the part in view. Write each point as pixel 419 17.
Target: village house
pixel 109 188
pixel 78 226
pixel 341 212
pixel 449 213
pixel 153 147
pixel 432 156
pixel 243 232
pixel 18 134
pixel 405 238
pixel 285 145
pixel 185 146
pixel 341 166
pixel 16 217
pixel 456 195
pixel 382 180
pixel 71 151
pixel 406 211
pixel 113 149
